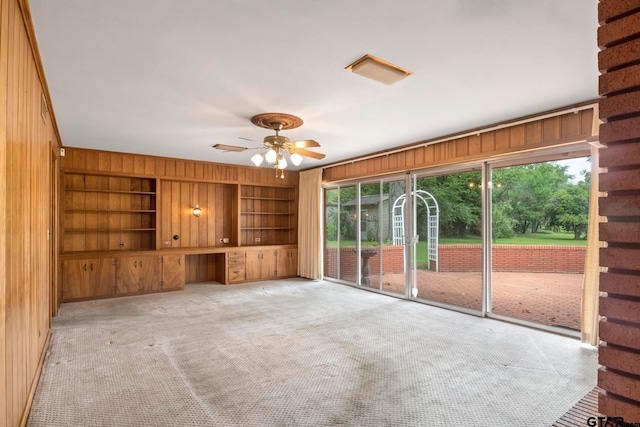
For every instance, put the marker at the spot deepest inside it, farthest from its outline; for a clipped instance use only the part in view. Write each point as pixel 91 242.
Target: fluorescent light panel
pixel 379 70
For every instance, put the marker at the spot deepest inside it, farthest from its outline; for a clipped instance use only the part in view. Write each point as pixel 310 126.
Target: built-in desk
pixel 108 274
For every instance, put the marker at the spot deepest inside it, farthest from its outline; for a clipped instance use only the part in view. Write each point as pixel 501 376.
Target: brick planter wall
pixel 392 258
pixel 518 258
pixel 515 258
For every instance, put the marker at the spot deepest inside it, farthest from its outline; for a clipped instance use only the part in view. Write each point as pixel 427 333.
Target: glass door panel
pixel 447 242
pixel 539 225
pixel 331 233
pixel 347 233
pixel 369 221
pixel 392 232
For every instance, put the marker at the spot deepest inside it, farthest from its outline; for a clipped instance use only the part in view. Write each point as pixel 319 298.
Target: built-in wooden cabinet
pixel 260 264
pixel 173 272
pixel 236 265
pixel 138 274
pixel 128 227
pixel 268 215
pixel 265 264
pixel 108 213
pixel 123 275
pixel 88 278
pixel 287 262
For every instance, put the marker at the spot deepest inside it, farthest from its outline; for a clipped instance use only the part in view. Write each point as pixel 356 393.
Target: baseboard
pixel 34 383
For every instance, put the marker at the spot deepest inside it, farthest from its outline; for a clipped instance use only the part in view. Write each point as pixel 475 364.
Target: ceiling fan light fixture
pixel 271 156
pixel 379 70
pixel 282 163
pixel 257 159
pixel 296 159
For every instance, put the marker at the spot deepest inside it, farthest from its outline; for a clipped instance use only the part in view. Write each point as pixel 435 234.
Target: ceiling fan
pixel 277 145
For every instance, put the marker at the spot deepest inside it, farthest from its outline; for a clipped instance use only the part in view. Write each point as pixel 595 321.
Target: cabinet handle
pixel 91 267
pixel 135 263
pixel 140 264
pixel 84 267
pixel 179 260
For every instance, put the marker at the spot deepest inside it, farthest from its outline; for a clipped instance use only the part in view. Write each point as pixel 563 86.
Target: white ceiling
pixel 172 78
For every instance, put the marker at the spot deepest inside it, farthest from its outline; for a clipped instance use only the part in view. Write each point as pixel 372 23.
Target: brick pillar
pixel 619 86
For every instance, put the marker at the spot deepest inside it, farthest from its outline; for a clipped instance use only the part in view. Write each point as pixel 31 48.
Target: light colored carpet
pixel 300 353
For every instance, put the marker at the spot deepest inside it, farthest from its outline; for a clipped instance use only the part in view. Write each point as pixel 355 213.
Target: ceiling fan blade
pixel 249 139
pixel 305 143
pixel 307 153
pixel 225 147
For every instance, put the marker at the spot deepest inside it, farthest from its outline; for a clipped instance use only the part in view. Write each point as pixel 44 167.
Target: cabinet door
pixel 260 265
pixel 287 262
pixel 268 268
pixel 87 278
pixel 173 274
pixel 103 275
pixel 138 274
pixel 75 281
pixel 253 265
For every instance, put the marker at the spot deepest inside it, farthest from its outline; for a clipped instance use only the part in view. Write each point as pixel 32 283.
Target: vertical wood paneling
pixel 5 390
pixel 25 215
pixel 502 139
pixel 565 128
pixel 218 203
pixel 516 136
pixel 127 163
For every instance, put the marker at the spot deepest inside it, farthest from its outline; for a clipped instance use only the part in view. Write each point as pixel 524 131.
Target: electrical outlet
pixel 257 240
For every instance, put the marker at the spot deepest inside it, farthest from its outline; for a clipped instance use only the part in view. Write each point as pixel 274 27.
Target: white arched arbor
pixel 433 218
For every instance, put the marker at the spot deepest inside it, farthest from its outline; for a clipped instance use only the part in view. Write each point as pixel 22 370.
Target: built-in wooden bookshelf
pixel 268 215
pixel 103 213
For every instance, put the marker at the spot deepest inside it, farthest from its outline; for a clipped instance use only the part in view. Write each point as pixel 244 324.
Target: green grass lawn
pixel 565 239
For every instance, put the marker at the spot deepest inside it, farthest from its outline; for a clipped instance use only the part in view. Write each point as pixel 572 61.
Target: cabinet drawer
pixel 236 254
pixel 236 262
pixel 236 274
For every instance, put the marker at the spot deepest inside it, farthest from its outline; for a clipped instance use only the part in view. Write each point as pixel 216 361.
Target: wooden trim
pixel 479 130
pixel 28 24
pixel 36 379
pixel 101 162
pixel 4 47
pixel 545 132
pixel 176 251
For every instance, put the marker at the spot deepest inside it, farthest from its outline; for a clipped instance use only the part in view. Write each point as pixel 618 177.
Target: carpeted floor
pixel 300 353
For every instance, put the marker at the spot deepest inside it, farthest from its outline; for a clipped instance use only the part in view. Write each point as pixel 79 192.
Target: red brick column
pixel 619 64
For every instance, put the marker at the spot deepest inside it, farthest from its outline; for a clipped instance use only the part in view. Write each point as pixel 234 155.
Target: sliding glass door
pixel 505 240
pixel 447 243
pixel 364 235
pixel 539 227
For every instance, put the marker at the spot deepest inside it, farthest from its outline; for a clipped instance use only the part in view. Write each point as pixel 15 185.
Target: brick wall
pixel 619 88
pixel 392 258
pixel 523 258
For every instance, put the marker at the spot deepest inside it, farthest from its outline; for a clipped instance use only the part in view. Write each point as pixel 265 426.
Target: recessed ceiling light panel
pixel 379 70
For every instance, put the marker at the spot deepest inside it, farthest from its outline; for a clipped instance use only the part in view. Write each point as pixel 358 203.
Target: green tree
pixel 459 200
pixel 570 208
pixel 529 190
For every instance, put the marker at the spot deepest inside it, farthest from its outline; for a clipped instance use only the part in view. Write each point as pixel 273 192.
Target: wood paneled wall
pixel 536 134
pixel 81 159
pixel 619 352
pixel 27 143
pixel 219 210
